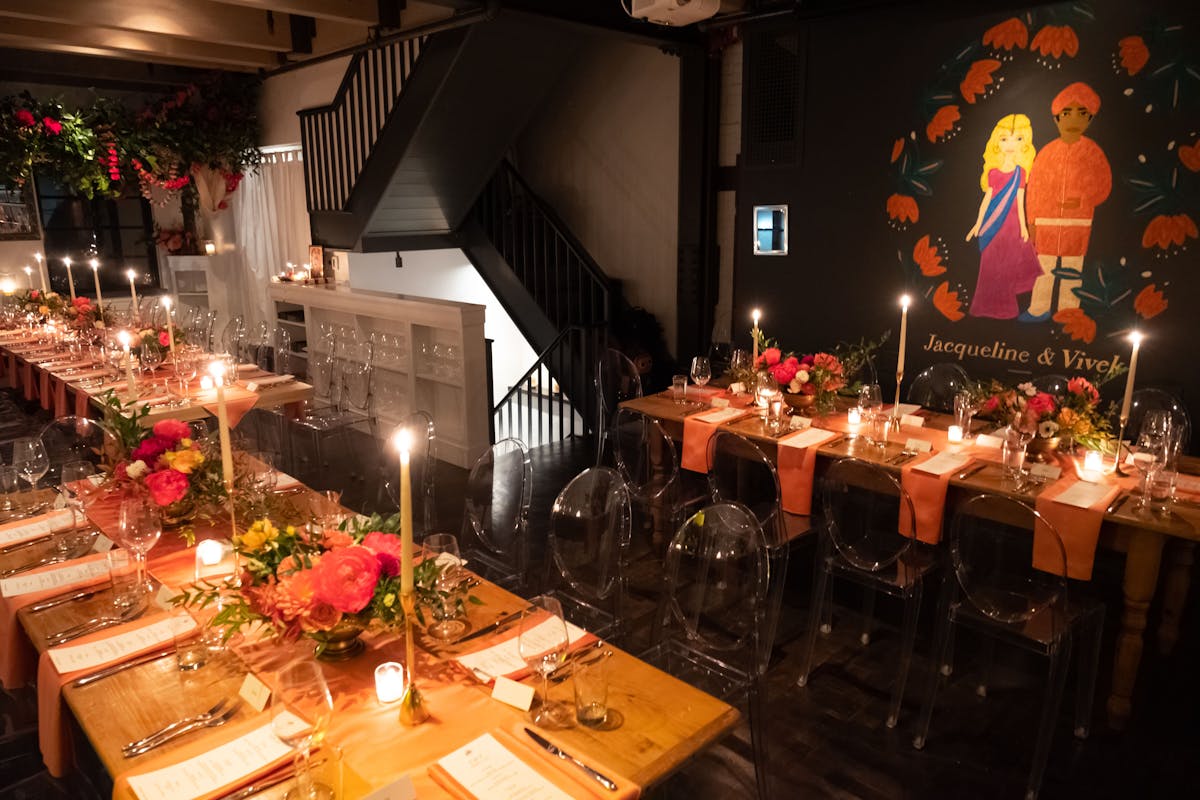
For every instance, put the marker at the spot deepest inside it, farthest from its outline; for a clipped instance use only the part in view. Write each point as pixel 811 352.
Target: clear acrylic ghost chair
pixel 617 380
pixel 274 356
pixel 495 525
pixel 73 438
pixel 935 386
pixel 233 335
pixel 352 385
pixel 257 341
pixel 587 551
pixel 712 627
pixel 1051 384
pixel 1154 399
pixel 997 591
pixel 860 541
pixel 422 466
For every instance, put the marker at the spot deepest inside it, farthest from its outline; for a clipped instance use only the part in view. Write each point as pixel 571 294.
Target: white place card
pixel 807 438
pixel 1051 471
pixel 513 693
pixel 266 382
pixel 720 402
pixel 907 409
pixel 918 445
pixel 1188 483
pixel 162 597
pixel 943 463
pixel 799 422
pixel 490 771
pixel 111 649
pixel 283 482
pixel 1083 494
pixel 40 525
pixel 719 415
pixel 254 692
pixel 399 789
pixel 102 544
pixel 52 579
pixel 737 387
pixel 989 441
pixel 222 767
pixel 505 659
pixel 912 421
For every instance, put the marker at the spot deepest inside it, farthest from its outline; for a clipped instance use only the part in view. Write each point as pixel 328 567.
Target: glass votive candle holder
pixel 389 682
pixel 954 434
pixel 854 416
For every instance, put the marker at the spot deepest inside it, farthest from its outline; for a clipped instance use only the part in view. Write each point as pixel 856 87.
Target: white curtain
pixel 271 228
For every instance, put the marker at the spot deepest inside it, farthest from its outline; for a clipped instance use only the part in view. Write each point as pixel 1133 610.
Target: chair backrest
pixel 740 472
pixel 498 492
pixel 356 380
pixel 716 576
pixel 321 374
pixel 992 550
pixel 863 504
pixel 233 334
pixel 281 352
pixel 1153 399
pixel 423 455
pixel 644 454
pixel 72 438
pixel 935 386
pixel 589 535
pixel 617 380
pixel 1051 384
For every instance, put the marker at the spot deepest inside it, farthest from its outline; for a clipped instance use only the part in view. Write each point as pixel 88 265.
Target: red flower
pixel 1084 388
pixel 1055 40
pixel 1149 302
pixel 378 542
pixel 24 118
pixel 151 448
pixel 1166 230
pixel 346 578
pixel 978 78
pixel 784 371
pixel 166 486
pixel 927 257
pixel 52 126
pixel 903 208
pixel 172 430
pixel 1041 404
pixel 770 356
pixel 947 302
pixel 1133 54
pixel 1007 35
pixel 164 339
pixel 34 294
pixel 942 123
pixel 1077 324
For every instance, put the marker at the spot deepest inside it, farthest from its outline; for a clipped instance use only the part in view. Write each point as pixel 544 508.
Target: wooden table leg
pixel 1181 555
pixel 1142 560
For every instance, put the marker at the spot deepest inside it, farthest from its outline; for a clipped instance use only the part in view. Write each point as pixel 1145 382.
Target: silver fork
pixel 217 708
pixel 211 721
pixel 95 624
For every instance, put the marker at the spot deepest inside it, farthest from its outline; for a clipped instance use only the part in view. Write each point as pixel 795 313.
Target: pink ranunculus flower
pixel 345 578
pixel 172 429
pixel 151 448
pixel 166 486
pixel 52 126
pixel 164 339
pixel 25 118
pixel 1041 404
pixel 386 547
pixel 1084 388
pixel 770 356
pixel 785 370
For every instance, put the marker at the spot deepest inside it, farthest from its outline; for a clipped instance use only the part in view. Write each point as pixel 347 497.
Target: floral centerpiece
pixel 1047 418
pixel 304 581
pixel 82 314
pixel 44 304
pixel 157 338
pixel 818 376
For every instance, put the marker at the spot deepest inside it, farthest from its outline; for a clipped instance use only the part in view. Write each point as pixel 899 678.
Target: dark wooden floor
pixel 829 739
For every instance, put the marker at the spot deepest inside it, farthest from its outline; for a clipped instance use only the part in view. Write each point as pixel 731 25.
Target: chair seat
pixel 899 577
pixel 331 421
pixel 1042 630
pixel 724 680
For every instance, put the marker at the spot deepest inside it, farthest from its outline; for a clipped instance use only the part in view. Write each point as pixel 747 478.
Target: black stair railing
pixel 339 138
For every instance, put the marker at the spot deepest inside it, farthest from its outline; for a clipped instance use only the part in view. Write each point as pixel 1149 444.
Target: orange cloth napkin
pixel 928 494
pixel 563 774
pixel 54 739
pixel 795 464
pixel 696 435
pixel 1079 529
pixel 237 402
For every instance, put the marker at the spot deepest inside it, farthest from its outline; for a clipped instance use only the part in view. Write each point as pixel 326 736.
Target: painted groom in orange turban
pixel 1068 179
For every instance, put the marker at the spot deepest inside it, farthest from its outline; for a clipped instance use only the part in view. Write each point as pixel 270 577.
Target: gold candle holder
pixel 896 405
pixel 412 706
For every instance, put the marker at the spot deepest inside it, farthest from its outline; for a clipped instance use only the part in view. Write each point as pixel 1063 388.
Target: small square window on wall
pixel 770 230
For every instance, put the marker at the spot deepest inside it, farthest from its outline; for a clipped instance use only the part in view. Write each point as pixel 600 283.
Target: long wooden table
pixel 1142 538
pixel 661 721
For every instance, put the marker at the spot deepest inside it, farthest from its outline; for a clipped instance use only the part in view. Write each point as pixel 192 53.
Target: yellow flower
pixel 43 310
pixel 185 442
pixel 389 599
pixel 259 534
pixel 183 460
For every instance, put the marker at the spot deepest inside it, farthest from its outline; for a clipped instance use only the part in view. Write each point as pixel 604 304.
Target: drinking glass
pixel 300 717
pixel 1012 454
pixel 870 400
pixel 679 389
pixel 542 644
pixel 765 390
pixel 31 461
pixel 448 583
pixel 701 370
pixel 964 410
pixel 739 361
pixel 9 479
pixel 150 359
pixel 75 486
pixel 1150 452
pixel 139 528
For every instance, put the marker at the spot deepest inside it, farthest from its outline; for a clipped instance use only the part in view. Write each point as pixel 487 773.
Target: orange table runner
pixel 1079 529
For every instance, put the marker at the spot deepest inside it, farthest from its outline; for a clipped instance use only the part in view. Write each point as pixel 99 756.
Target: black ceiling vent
pixel 774 68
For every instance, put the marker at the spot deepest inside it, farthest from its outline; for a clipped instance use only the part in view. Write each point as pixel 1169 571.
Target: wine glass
pixel 870 402
pixel 151 358
pixel 739 361
pixel 300 717
pixel 448 583
pixel 701 371
pixel 964 409
pixel 1150 451
pixel 31 461
pixel 542 644
pixel 139 528
pixel 765 389
pixel 75 486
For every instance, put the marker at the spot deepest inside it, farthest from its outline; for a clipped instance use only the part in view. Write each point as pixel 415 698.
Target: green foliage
pixel 124 420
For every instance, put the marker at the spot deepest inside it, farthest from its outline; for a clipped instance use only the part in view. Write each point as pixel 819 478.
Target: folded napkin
pixel 502 658
pixel 1076 510
pixel 511 750
pixel 254 384
pixel 87 375
pixel 796 459
pixel 86 655
pixel 926 480
pixel 238 401
pixel 698 429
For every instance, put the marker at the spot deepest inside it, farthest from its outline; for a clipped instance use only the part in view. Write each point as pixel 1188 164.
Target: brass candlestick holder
pixel 412 706
pixel 1117 469
pixel 896 405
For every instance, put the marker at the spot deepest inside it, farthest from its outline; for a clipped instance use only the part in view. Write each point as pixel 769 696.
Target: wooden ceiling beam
pixel 104 72
pixel 362 12
pixel 17 42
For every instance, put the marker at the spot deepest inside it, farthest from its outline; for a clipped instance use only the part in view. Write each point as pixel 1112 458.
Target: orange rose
pixel 903 208
pixel 943 122
pixel 947 302
pixel 1007 35
pixel 1149 302
pixel 897 149
pixel 1077 324
pixel 1133 53
pixel 1056 40
pixel 979 77
pixel 1167 230
pixel 927 257
pixel 1190 155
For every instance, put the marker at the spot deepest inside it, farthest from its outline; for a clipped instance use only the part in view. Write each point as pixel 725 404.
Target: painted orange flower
pixel 1007 35
pixel 1190 155
pixel 979 77
pixel 1077 324
pixel 1149 302
pixel 897 149
pixel 927 257
pixel 942 123
pixel 903 208
pixel 1133 53
pixel 947 302
pixel 1056 40
pixel 1166 230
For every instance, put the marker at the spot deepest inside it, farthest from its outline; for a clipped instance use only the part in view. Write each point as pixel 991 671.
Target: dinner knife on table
pixel 545 744
pixel 492 626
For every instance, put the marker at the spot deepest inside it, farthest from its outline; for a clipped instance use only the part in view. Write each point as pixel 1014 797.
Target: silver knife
pixel 607 783
pixel 506 619
pixel 969 471
pixel 115 668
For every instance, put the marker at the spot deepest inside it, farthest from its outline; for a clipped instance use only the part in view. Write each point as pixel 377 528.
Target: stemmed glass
pixel 1150 451
pixel 300 717
pixel 76 487
pixel 765 390
pixel 739 361
pixel 964 410
pixel 870 401
pixel 151 358
pixel 701 371
pixel 31 461
pixel 138 530
pixel 448 582
pixel 542 644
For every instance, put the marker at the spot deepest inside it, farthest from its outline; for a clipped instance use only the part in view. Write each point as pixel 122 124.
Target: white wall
pixel 14 255
pixel 285 94
pixel 604 152
pixel 448 275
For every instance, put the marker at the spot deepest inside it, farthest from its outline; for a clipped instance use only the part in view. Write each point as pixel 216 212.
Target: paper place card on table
pixel 799 423
pixel 918 445
pixel 490 771
pixel 912 421
pixel 505 659
pixel 1083 494
pixel 989 441
pixel 102 544
pixel 39 526
pixel 943 463
pixel 807 438
pixel 1051 471
pixel 53 579
pixel 513 693
pixel 268 381
pixel 222 767
pixel 400 789
pixel 907 409
pixel 110 649
pixel 720 402
pixel 283 482
pixel 1188 483
pixel 255 692
pixel 719 415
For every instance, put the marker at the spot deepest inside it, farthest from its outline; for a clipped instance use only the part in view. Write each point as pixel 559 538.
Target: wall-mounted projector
pixel 674 12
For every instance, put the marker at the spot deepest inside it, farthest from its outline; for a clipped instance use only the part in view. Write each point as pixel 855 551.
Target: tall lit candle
pixel 402 441
pixel 756 315
pixel 70 277
pixel 95 265
pixel 132 290
pixel 166 301
pixel 1136 338
pixel 131 385
pixel 29 276
pixel 217 370
pixel 41 272
pixel 904 303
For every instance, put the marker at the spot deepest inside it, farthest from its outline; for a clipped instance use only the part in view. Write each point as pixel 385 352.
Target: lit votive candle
pixel 854 416
pixel 389 682
pixel 209 553
pixel 210 248
pixel 1093 461
pixel 954 434
pixel 206 383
